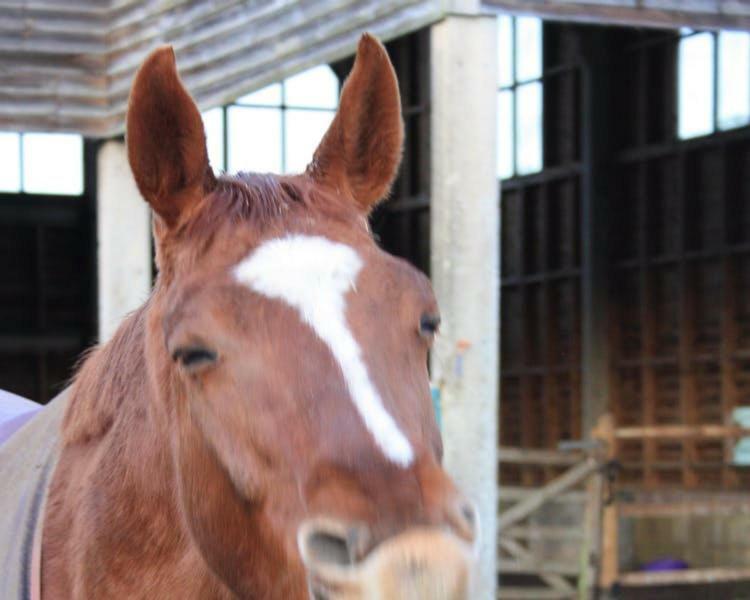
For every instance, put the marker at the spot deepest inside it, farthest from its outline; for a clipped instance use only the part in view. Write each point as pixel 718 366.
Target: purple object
pixel 665 564
pixel 14 412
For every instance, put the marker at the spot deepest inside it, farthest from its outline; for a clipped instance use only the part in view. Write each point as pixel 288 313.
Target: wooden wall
pixel 679 276
pixel 676 285
pixel 68 66
pixel 540 390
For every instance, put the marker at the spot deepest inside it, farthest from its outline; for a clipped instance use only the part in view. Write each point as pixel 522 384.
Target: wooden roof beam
pixel 698 14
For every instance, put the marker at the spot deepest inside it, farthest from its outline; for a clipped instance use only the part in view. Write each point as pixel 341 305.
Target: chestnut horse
pixel 262 426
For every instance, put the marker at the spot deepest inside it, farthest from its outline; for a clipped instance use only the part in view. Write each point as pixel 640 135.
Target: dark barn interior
pixel 48 288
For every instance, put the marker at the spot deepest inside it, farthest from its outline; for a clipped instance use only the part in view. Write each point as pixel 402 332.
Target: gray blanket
pixel 27 460
pixel 14 412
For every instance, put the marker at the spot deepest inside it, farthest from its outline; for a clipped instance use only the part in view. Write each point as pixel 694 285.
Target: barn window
pixel 275 129
pixel 520 96
pixel 41 163
pixel 713 82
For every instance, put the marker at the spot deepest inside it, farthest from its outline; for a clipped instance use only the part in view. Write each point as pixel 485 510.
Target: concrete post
pixel 465 248
pixel 123 232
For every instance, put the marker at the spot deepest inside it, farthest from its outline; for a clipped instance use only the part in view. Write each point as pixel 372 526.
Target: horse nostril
pixel 463 518
pixel 328 543
pixel 328 548
pixel 358 542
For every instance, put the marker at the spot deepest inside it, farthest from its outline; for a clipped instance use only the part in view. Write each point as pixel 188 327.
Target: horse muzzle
pixel 420 563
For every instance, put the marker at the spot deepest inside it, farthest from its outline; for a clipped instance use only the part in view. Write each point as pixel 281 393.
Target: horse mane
pixel 105 380
pixel 260 198
pixel 263 200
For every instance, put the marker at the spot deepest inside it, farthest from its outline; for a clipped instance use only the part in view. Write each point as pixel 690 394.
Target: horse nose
pixel 463 518
pixel 327 542
pixel 419 563
pixel 330 542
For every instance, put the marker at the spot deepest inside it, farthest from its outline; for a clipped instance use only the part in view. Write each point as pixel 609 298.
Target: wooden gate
pixel 548 537
pixel 665 505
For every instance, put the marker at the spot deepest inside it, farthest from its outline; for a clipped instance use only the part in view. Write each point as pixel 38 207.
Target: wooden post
pixel 590 558
pixel 595 231
pixel 609 571
pixel 465 245
pixel 123 239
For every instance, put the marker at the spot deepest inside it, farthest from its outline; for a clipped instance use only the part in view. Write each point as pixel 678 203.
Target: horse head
pixel 288 356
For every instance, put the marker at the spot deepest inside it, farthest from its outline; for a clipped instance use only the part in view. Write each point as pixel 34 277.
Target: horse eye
pixel 193 357
pixel 428 325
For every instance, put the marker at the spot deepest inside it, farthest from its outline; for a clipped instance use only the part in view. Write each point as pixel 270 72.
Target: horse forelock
pixel 261 201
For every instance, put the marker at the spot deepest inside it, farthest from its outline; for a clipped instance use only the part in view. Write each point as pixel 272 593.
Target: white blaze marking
pixel 313 275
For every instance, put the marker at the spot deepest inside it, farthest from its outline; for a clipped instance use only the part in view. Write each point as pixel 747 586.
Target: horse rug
pixel 27 461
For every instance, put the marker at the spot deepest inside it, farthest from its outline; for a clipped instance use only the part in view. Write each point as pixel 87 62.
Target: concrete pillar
pixel 465 250
pixel 123 232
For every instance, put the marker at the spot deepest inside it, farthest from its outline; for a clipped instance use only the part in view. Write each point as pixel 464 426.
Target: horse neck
pixel 115 474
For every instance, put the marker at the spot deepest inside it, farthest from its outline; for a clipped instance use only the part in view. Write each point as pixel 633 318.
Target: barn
pixel 576 182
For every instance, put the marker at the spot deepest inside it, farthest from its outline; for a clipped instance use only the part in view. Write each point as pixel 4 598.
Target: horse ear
pixel 361 150
pixel 165 138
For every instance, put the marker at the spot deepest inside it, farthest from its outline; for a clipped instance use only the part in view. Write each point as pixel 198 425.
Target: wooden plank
pixel 536 567
pixel 681 431
pixel 508 454
pixel 686 322
pixel 684 577
pixel 546 533
pixel 610 530
pixel 515 549
pixel 692 508
pixel 82 9
pixel 531 593
pixel 700 14
pixel 225 37
pixel 511 493
pixel 557 486
pixel 590 555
